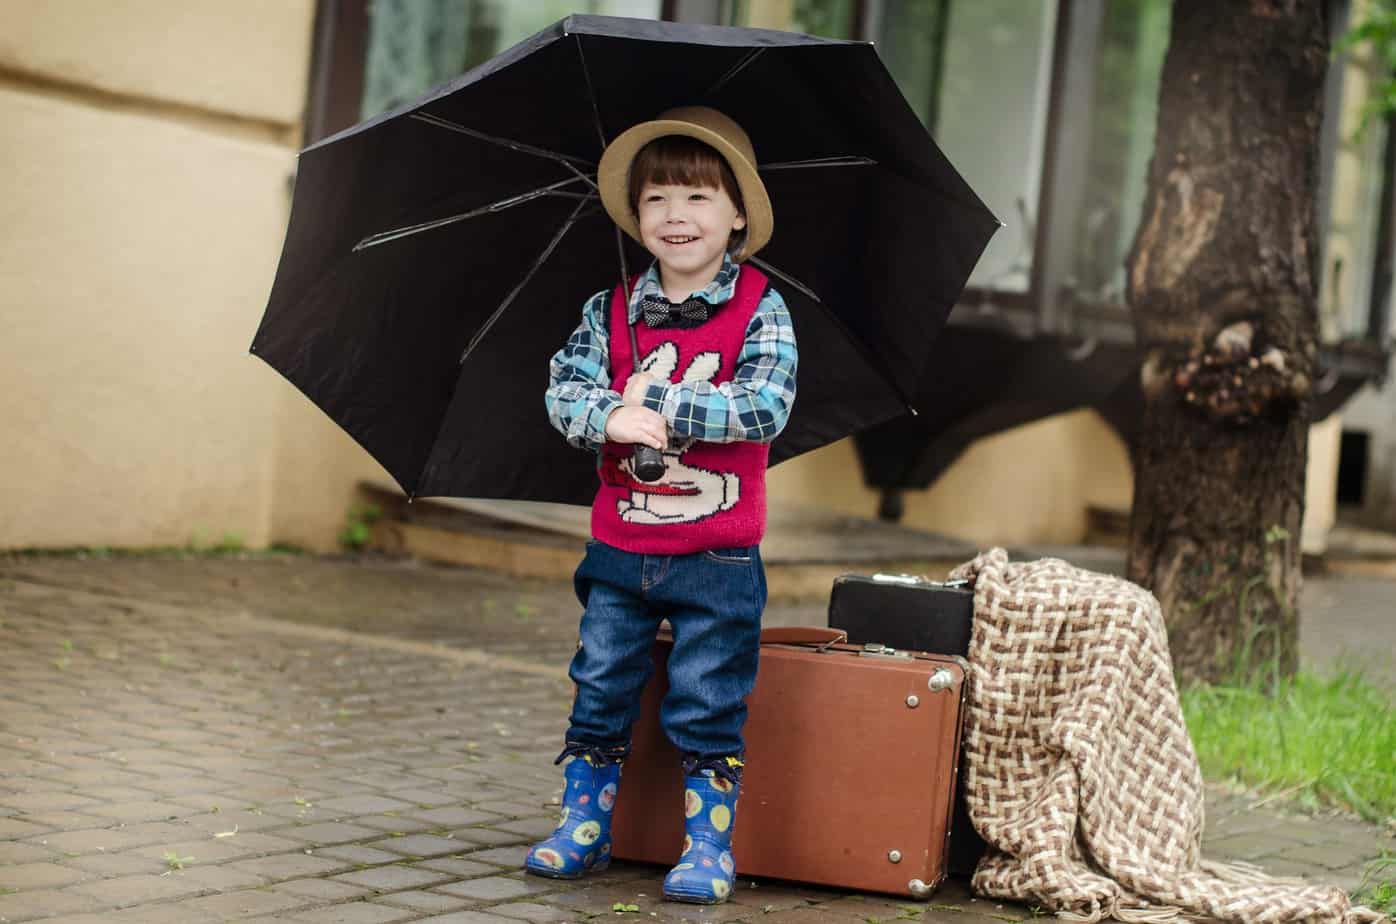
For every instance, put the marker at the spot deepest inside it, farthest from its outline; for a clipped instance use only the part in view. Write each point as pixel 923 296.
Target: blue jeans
pixel 713 601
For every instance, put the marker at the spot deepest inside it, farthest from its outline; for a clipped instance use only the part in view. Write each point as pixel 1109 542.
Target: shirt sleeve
pixel 755 404
pixel 579 397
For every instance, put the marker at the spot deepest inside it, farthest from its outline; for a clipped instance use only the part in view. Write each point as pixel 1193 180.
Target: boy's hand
pixel 629 424
pixel 634 394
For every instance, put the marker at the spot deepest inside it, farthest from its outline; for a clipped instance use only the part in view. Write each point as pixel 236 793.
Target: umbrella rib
pixel 552 189
pixel 786 277
pixel 853 338
pixel 503 142
pixel 734 71
pixel 591 93
pixel 847 160
pixel 532 270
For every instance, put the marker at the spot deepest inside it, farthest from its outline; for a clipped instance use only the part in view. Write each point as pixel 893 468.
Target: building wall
pixel 1031 484
pixel 1321 485
pixel 148 148
pixel 1350 251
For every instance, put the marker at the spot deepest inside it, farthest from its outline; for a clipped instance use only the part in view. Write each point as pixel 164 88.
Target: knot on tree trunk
pixel 1239 378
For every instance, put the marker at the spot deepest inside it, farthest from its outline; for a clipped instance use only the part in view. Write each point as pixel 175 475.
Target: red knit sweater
pixel 712 495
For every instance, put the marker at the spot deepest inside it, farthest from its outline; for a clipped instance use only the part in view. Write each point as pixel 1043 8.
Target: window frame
pixel 340 53
pixel 1046 307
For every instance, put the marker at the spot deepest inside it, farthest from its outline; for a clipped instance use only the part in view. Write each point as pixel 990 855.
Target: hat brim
pixel 613 179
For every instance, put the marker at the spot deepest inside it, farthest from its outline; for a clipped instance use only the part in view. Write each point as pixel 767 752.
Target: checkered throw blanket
pixel 1079 771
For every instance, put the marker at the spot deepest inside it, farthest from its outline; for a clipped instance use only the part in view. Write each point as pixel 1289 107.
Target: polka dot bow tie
pixel 660 312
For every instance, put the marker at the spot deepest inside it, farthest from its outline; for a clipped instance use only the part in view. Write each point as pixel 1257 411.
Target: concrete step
pixel 804 549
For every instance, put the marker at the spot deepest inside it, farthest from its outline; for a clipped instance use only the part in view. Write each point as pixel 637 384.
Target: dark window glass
pixel 829 18
pixel 978 74
pixel 1123 117
pixel 415 44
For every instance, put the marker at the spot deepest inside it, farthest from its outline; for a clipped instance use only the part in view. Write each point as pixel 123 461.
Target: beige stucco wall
pixel 1321 484
pixel 247 59
pixel 1028 485
pixel 147 151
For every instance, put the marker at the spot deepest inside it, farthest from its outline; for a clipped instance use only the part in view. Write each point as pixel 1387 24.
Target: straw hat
pixel 712 128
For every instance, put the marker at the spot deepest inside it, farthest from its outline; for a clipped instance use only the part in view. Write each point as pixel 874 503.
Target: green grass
pixel 1377 891
pixel 1323 741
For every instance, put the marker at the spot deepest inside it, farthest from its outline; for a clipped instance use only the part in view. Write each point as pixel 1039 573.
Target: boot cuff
pixel 598 755
pixel 728 767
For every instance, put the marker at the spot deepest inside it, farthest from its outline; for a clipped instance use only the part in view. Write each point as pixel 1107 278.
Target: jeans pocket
pixel 738 555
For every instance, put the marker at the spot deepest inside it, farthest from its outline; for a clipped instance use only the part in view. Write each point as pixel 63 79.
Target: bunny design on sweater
pixel 685 493
pixel 712 494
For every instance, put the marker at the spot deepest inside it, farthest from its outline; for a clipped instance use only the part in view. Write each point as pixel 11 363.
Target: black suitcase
pixel 913 614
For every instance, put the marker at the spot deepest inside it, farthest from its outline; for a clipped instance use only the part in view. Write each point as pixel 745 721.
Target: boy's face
pixel 687 228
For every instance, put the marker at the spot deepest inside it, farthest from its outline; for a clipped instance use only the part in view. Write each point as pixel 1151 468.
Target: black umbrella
pixel 440 253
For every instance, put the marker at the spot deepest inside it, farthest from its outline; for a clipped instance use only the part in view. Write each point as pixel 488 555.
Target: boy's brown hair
pixel 683 161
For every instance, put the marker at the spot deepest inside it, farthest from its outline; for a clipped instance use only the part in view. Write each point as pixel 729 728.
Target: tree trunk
pixel 1222 285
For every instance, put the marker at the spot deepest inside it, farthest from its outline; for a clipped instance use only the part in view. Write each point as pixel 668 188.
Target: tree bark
pixel 1223 288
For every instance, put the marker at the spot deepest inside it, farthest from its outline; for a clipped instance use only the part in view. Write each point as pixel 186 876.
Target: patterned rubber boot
pixel 706 869
pixel 582 842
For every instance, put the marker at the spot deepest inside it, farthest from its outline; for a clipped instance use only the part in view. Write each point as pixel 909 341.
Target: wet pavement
pixel 315 740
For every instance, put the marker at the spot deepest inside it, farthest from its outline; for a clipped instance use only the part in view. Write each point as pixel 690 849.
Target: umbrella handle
pixel 646 462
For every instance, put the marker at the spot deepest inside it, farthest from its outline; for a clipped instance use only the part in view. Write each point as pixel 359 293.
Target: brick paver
pixel 166 756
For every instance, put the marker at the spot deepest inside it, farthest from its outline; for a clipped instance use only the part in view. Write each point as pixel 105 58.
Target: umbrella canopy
pixel 439 254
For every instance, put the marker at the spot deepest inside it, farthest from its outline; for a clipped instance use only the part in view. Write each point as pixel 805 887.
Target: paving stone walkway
pixel 186 750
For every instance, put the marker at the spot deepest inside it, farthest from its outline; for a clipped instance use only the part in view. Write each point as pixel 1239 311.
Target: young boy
pixel 713 385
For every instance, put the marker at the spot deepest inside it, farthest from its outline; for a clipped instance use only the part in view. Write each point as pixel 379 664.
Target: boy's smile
pixel 687 229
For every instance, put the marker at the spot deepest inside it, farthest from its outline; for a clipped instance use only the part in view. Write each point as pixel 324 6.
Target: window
pixel 978 73
pixel 1123 117
pixel 1354 288
pixel 415 44
pixel 829 18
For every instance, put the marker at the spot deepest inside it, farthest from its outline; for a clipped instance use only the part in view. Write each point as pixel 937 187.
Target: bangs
pixel 682 161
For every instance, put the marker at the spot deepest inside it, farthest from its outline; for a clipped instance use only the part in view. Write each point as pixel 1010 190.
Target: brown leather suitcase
pixel 852 754
pixel 910 612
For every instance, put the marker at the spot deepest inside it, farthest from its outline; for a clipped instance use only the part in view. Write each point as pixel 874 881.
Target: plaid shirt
pixel 754 405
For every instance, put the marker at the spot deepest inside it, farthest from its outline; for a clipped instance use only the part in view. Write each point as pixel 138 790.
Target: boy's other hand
pixel 635 386
pixel 629 424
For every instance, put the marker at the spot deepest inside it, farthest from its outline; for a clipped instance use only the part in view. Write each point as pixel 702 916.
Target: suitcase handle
pixel 819 637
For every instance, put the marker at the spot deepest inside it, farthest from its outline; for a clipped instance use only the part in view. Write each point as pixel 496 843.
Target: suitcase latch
pixel 879 650
pixel 942 679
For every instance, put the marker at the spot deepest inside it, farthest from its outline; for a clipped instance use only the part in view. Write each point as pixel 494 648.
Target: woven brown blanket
pixel 1079 771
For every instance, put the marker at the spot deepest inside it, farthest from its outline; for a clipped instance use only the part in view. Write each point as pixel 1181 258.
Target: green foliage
pixel 1378 32
pixel 230 544
pixel 200 545
pixel 1378 890
pixel 1323 741
pixel 358 526
pixel 174 861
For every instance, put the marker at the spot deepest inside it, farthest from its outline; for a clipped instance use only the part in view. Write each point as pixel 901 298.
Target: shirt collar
pixel 715 293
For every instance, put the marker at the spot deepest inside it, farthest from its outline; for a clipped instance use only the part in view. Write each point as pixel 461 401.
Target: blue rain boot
pixel 706 869
pixel 582 842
